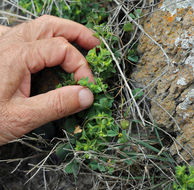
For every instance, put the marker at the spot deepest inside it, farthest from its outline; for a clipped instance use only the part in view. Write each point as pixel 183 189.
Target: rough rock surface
pixel 170 86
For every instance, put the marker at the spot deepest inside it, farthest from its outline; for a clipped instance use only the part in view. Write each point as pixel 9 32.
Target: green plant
pixel 101 62
pixel 98 126
pixel 132 54
pixel 82 11
pixel 184 177
pixel 128 26
pixel 112 142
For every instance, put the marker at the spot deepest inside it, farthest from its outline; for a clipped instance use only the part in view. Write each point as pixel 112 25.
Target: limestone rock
pixel 170 85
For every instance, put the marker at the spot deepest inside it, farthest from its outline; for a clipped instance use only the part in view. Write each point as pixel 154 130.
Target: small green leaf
pixel 125 124
pixel 133 58
pixel 115 39
pixel 59 85
pixel 123 138
pixel 112 133
pixel 128 27
pixel 72 168
pixel 101 168
pixel 94 165
pixel 138 13
pixel 132 15
pixel 137 93
pixel 62 151
pixel 110 170
pixel 129 162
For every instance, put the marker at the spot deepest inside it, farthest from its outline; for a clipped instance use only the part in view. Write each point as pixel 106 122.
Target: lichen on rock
pixel 171 90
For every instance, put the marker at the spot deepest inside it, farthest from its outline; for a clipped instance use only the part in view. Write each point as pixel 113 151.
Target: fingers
pixel 56 51
pixel 60 102
pixel 25 114
pixel 50 26
pixel 28 48
pixel 34 56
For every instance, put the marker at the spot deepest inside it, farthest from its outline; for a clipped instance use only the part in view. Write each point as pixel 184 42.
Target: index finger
pixel 49 26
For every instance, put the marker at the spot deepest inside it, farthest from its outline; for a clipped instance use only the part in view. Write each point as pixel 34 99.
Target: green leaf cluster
pixel 101 62
pixel 38 5
pixel 72 168
pixel 132 54
pixel 96 87
pixel 98 127
pixel 101 166
pixel 128 27
pixel 185 179
pixel 97 132
pixel 89 12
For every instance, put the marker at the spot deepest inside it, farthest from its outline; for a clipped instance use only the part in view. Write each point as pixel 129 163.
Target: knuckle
pixel 58 105
pixel 61 41
pixel 62 46
pixel 30 56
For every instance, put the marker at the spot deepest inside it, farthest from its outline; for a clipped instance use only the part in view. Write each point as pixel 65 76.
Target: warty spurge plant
pixel 98 127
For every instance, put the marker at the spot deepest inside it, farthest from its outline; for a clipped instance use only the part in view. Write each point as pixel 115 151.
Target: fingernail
pixel 86 98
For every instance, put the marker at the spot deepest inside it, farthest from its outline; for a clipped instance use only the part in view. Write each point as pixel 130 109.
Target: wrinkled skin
pixel 29 48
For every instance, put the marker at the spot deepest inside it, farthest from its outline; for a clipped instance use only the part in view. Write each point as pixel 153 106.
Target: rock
pixel 171 92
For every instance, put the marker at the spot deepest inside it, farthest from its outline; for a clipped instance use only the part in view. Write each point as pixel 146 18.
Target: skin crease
pixel 29 48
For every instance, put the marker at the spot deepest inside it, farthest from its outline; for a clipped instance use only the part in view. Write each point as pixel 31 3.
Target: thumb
pixel 56 104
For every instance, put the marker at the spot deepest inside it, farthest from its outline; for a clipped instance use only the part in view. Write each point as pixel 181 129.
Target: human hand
pixel 29 48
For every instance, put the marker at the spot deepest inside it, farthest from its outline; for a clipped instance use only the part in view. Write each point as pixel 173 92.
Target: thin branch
pixel 142 30
pixel 124 79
